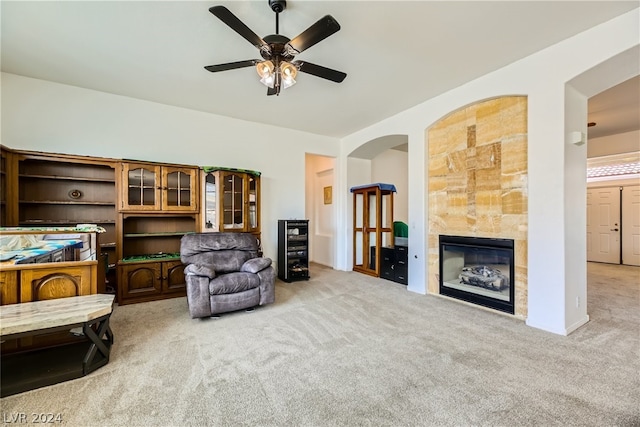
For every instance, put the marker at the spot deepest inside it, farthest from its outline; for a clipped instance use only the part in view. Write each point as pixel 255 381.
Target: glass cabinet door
pixel 178 185
pixel 230 200
pixel 254 203
pixel 142 190
pixel 358 230
pixel 209 203
pixel 233 193
pixel 156 187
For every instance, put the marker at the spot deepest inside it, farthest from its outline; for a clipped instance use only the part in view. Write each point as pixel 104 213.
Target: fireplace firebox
pixel 478 270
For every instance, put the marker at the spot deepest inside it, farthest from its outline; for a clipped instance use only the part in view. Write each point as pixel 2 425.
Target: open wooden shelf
pixel 165 234
pixel 67 202
pixel 68 178
pixel 64 222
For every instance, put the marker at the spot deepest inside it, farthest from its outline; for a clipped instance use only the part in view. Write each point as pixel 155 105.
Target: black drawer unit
pixel 293 249
pixel 393 264
pixel 387 263
pixel 401 265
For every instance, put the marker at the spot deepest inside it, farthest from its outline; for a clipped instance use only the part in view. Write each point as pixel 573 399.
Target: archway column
pixel 575 202
pixel 418 226
pixel 546 246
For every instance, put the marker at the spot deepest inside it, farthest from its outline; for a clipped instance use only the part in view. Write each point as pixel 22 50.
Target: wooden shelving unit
pixel 158 204
pixel 58 190
pixel 8 188
pixel 3 188
pixel 152 234
pixel 149 267
pixel 145 208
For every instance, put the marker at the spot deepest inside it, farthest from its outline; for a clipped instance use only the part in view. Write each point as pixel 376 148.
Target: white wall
pixel 575 160
pixel 390 167
pixel 614 144
pixel 45 116
pixel 542 78
pixel 322 231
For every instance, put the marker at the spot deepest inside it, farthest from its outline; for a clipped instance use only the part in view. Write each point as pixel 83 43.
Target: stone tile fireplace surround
pixel 478 182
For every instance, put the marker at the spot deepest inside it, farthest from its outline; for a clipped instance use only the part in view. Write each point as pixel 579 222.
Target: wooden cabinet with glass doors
pixel 153 187
pixel 372 226
pixel 230 200
pixel 158 205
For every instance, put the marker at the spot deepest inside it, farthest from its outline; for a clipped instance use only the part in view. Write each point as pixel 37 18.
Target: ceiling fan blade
pixel 320 71
pixel 238 26
pixel 319 31
pixel 231 65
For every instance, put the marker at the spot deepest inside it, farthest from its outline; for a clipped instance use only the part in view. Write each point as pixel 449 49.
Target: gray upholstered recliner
pixel 224 273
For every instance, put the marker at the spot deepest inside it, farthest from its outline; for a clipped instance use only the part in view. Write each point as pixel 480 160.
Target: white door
pixel 631 225
pixel 603 224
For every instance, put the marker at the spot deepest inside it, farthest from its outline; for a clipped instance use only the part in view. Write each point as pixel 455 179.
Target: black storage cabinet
pixel 293 249
pixel 400 266
pixel 393 264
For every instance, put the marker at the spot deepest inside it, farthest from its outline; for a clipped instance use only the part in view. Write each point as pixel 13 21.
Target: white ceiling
pixel 396 54
pixel 616 110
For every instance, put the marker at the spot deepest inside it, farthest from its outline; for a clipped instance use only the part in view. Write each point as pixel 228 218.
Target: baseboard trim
pixel 559 331
pixel 577 324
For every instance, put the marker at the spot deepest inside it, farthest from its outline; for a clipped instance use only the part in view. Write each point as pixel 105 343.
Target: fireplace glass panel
pixel 477 270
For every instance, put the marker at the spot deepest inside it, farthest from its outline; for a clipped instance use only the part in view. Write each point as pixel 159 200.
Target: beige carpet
pixel 346 349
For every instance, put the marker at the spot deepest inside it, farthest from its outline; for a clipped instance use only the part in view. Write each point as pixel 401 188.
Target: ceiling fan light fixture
pixel 269 81
pixel 287 83
pixel 288 72
pixel 265 70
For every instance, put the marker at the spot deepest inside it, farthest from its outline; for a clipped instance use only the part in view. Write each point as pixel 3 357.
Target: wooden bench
pixel 38 368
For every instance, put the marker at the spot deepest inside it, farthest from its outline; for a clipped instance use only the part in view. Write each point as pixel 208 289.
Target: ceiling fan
pixel 277 68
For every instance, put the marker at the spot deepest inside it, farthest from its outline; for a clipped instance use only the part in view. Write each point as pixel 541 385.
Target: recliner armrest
pixel 200 270
pixel 255 264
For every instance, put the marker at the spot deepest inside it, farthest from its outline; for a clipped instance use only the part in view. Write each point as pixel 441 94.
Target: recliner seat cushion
pixel 231 283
